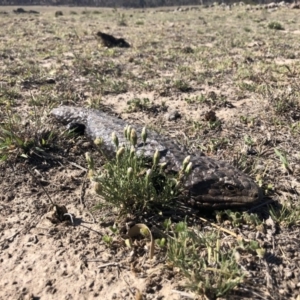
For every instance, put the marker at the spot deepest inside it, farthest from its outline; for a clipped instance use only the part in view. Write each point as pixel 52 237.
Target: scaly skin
pixel 212 183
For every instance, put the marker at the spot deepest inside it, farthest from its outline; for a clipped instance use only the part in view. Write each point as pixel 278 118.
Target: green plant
pixel 245 86
pixel 287 215
pixel 275 25
pixel 182 86
pixel 18 140
pixel 137 104
pixel 283 105
pixel 197 99
pixel 250 246
pixel 114 86
pixel 248 140
pixel 214 125
pixel 210 268
pixel 140 22
pixel 121 20
pixel 9 96
pixel 131 183
pixel 107 239
pixel 238 218
pixel 161 242
pixel 217 144
pixel 283 158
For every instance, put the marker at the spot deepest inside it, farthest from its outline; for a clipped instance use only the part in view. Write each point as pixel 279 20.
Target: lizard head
pixel 220 185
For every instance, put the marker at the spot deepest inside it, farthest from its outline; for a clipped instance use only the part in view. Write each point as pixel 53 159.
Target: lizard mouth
pixel 217 195
pixel 223 202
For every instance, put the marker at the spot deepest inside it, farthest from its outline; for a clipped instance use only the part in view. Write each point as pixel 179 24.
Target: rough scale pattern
pixel 212 183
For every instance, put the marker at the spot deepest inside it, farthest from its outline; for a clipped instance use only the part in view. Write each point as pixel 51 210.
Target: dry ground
pixel 226 61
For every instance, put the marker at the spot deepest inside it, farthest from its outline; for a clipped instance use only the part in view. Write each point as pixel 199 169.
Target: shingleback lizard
pixel 212 183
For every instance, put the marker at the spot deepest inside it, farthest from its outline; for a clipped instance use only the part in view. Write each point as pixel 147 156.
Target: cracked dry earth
pixel 240 70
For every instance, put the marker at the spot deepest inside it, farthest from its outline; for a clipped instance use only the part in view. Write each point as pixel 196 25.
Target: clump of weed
pixel 287 216
pixel 17 139
pixel 137 104
pixel 121 20
pixel 211 268
pixel 131 182
pixel 275 25
pixel 182 86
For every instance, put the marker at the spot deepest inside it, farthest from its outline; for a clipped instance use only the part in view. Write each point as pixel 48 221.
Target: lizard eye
pixel 229 187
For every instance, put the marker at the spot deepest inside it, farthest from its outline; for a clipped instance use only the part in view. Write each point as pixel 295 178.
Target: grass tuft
pixel 133 184
pixel 275 25
pixel 211 268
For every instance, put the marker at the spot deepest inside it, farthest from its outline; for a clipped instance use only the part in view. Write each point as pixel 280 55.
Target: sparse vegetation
pixel 236 87
pixel 138 104
pixel 275 25
pixel 287 215
pixel 211 268
pixel 17 139
pixel 132 184
pixel 121 19
pixel 140 22
pixel 182 85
